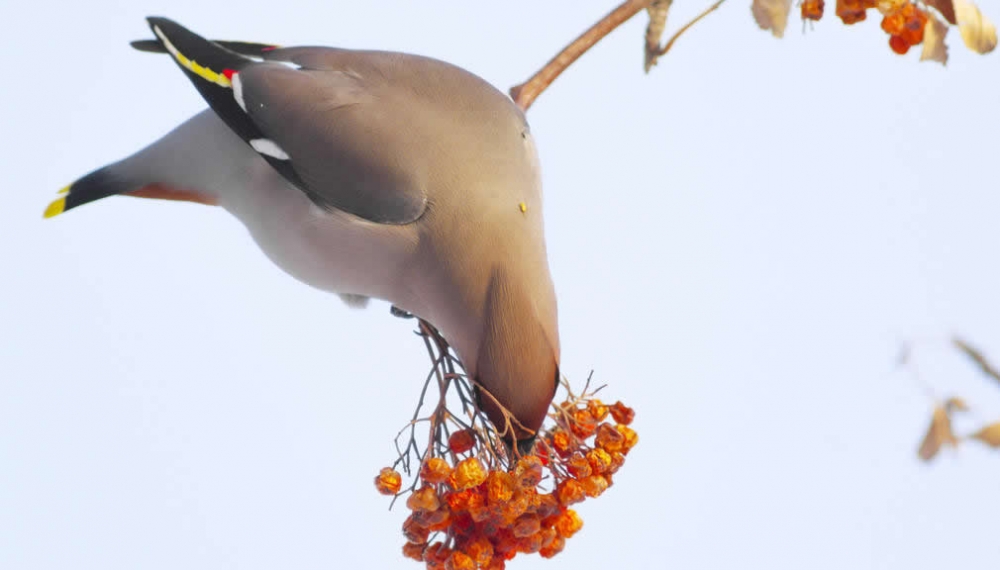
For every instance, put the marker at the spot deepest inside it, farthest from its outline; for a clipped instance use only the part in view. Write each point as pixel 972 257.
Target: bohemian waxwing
pixel 370 174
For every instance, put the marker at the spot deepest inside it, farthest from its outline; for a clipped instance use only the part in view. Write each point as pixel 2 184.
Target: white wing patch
pixel 270 148
pixel 238 91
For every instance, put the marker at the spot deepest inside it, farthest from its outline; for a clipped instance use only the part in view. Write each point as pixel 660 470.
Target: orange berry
pixel 913 31
pixel 498 563
pixel 578 466
pixel 542 452
pixel 622 413
pixel 462 441
pixel 423 499
pixel 555 547
pixel 459 561
pixel 899 45
pixel 561 441
pixel 617 460
pixel 388 481
pixel 435 556
pixel 526 525
pixel 499 487
pixel 600 460
pixel 594 485
pixel 414 551
pixel 434 520
pixel 480 550
pixel 414 532
pixel 583 424
pixel 435 470
pixel 852 11
pixel 893 22
pixel 570 491
pixel 465 500
pixel 812 9
pixel 467 474
pixel 521 502
pixel 548 535
pixel 568 523
pixel 597 409
pixel 545 505
pixel 528 471
pixel 629 437
pixel 608 438
pixel 530 544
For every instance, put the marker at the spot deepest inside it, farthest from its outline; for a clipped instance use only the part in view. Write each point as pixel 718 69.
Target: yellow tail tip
pixel 64 190
pixel 55 208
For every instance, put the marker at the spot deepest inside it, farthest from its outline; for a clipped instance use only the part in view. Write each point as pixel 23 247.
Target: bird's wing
pixel 322 129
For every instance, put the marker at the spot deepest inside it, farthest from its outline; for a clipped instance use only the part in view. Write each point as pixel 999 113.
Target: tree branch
pixel 526 93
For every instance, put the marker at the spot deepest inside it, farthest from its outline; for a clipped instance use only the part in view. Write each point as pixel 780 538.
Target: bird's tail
pixel 111 181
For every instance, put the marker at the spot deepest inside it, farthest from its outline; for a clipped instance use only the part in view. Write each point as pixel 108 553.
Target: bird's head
pixel 517 365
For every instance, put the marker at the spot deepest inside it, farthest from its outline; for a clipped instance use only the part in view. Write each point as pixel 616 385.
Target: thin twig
pixel 687 26
pixel 978 357
pixel 526 93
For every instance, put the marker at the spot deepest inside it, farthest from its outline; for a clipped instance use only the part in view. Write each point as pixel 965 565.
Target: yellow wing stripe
pixel 192 66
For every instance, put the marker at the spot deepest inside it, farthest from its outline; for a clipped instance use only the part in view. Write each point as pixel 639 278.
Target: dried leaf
pixel 772 15
pixel 978 357
pixel 657 11
pixel 978 32
pixel 990 435
pixel 939 433
pixel 934 47
pixel 945 7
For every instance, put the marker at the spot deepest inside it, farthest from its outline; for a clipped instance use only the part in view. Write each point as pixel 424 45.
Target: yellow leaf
pixel 939 433
pixel 934 47
pixel 990 435
pixel 772 15
pixel 978 32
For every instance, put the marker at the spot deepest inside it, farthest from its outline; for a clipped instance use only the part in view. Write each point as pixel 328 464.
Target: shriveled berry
pixel 480 550
pixel 414 532
pixel 578 466
pixel 600 460
pixel 597 409
pixel 462 441
pixel 423 499
pixel 594 485
pixel 545 505
pixel 555 547
pixel 526 525
pixel 459 561
pixel 608 438
pixel 465 500
pixel 388 481
pixel 568 524
pixel 467 474
pixel 629 437
pixel 528 471
pixel 569 492
pixel 500 487
pixel 899 45
pixel 622 413
pixel 812 9
pixel 435 470
pixel 583 424
pixel 561 441
pixel 414 551
pixel 529 544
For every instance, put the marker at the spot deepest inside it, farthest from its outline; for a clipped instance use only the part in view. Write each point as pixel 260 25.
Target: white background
pixel 741 242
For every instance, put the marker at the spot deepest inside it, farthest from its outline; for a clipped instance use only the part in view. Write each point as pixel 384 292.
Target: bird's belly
pixel 331 251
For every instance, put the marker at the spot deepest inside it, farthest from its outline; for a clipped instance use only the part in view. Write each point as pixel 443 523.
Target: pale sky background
pixel 741 241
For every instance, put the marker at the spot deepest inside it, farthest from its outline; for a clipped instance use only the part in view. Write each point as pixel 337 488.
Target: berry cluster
pixel 903 20
pixel 475 506
pixel 905 25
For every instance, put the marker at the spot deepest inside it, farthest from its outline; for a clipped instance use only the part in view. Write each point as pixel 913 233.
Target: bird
pixel 371 174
